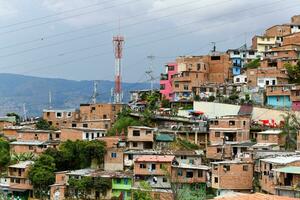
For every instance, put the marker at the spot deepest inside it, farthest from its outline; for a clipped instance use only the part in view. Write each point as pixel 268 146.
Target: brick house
pixel 266 170
pixel 81 134
pixel 287 181
pixel 154 169
pixel 19 185
pixel 268 140
pixel 232 175
pixel 60 118
pixel 190 173
pixel 295 97
pixel 140 137
pixel 279 96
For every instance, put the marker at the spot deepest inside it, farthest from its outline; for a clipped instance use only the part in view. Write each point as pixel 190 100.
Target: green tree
pixel 15 158
pixel 18 118
pixel 143 192
pixel 289 130
pixel 293 72
pixel 4 154
pixel 211 99
pixel 41 175
pixel 43 125
pixel 253 64
pixel 95 151
pixel 122 124
pixel 165 103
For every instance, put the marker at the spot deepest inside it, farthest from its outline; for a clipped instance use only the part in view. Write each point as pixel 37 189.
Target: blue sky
pixel 36 40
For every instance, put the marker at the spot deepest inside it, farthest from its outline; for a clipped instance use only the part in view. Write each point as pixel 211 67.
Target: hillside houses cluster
pixel 233 152
pixel 257 71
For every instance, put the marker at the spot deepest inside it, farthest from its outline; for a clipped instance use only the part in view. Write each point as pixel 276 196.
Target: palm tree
pixel 289 130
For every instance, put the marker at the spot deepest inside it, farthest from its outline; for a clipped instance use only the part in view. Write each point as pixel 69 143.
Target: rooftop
pixel 22 165
pixel 288 170
pixel 141 127
pixel 27 142
pixel 155 158
pixel 59 110
pixel 81 172
pixel 191 166
pixel 270 132
pixel 282 159
pixel 256 196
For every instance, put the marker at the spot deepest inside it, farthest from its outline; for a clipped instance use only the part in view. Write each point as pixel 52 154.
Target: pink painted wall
pixel 168 83
pixel 296 105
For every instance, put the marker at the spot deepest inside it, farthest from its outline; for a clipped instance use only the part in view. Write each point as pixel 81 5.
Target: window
pixel 156 196
pixel 126 181
pixel 134 144
pixel 273 82
pixel 189 174
pixel 148 132
pixel 113 108
pixel 200 173
pixel 69 114
pixel 277 99
pixel 236 53
pixel 130 157
pixel 106 126
pixel 30 147
pixel 136 133
pixel 118 181
pixel 161 166
pixel 98 134
pixel 219 150
pixel 216 180
pixel 87 135
pixel 85 125
pixel 104 116
pixel 244 123
pixel 251 52
pixel 215 57
pixel 153 167
pixel 113 155
pixel 165 180
pixel 57 135
pixel 186 87
pixel 58 115
pixel 93 108
pixel 143 166
pixel 176 84
pixel 183 157
pixel 191 161
pixel 226 167
pixel 231 123
pixel 237 80
pixel 216 122
pixel 92 135
pixel 179 172
pixel 198 66
pixel 162 86
pixel 267 82
pixel 48 114
pixel 74 125
pixel 265 137
pixel 170 68
pixel 217 134
pixel 245 167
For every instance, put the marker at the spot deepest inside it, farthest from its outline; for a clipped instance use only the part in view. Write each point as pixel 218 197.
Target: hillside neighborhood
pixel 225 126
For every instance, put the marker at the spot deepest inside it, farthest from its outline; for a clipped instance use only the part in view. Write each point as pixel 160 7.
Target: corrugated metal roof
pixel 22 164
pixel 282 159
pixel 289 170
pixel 155 158
pixel 164 138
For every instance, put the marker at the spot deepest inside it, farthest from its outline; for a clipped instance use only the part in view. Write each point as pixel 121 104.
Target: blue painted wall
pixel 279 101
pixel 236 70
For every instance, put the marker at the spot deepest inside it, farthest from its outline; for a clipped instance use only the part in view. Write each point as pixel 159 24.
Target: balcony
pixel 163 77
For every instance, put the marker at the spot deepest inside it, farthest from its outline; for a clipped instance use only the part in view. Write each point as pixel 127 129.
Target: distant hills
pixel 16 90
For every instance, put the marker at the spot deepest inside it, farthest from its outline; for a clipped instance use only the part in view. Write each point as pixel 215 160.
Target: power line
pixel 89 35
pixel 56 14
pixel 103 31
pixel 100 45
pixel 63 18
pixel 93 26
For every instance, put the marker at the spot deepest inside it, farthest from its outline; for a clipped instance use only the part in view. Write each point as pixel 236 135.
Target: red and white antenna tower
pixel 118 42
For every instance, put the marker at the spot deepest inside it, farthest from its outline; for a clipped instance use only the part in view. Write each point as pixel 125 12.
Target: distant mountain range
pixel 16 90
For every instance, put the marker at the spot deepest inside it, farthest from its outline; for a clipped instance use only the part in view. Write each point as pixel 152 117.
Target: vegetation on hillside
pixel 4 154
pixel 293 72
pixel 253 64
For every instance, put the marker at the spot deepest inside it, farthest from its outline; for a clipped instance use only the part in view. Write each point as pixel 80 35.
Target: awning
pixel 288 170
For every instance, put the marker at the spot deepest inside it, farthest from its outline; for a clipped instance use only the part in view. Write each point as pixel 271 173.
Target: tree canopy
pixel 293 72
pixel 4 153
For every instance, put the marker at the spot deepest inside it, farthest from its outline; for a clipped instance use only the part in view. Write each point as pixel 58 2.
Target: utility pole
pixel 95 93
pixel 50 99
pixel 150 71
pixel 214 46
pixel 24 112
pixel 118 42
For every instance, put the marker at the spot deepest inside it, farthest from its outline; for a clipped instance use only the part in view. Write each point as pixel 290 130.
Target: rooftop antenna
pixel 214 46
pixel 50 99
pixel 118 42
pixel 24 112
pixel 95 93
pixel 150 71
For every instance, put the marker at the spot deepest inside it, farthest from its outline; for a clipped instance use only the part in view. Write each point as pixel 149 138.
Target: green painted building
pixel 121 186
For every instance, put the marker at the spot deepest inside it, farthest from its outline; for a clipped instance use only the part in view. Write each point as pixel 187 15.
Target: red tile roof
pixel 155 158
pixel 256 196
